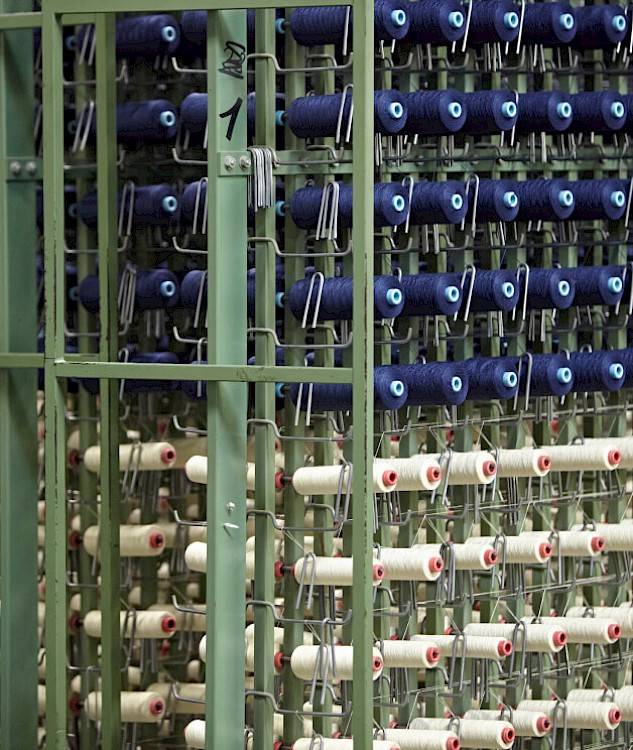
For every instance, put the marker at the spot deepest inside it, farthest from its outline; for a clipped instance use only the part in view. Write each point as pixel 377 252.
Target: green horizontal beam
pixel 172 6
pixel 11 361
pixel 10 21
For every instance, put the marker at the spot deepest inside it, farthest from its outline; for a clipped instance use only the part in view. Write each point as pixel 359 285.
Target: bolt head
pixel 245 162
pixel 229 162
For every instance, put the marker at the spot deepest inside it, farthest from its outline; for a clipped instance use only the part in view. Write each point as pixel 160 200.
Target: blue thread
pixel 594 112
pixel 491 378
pixel 549 289
pixel 544 112
pixel 544 200
pixel 594 371
pixel 154 205
pixel 594 285
pixel 156 289
pixel 549 24
pixel 495 201
pixel 436 21
pixel 487 112
pixel 438 202
pixel 599 27
pixel 598 199
pixel 431 294
pixel 434 383
pixel 492 290
pixel 434 112
pixel 551 375
pixel 147 36
pixel 493 21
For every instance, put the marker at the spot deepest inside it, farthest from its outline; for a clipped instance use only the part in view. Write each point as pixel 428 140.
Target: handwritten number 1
pixel 232 113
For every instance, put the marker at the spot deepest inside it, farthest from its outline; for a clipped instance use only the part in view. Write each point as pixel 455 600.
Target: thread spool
pixel 134 624
pixel 327 480
pixel 623 616
pixel 139 456
pixel 423 739
pixel 409 654
pixel 136 707
pixel 413 564
pixel 434 113
pixel 146 122
pixel 548 288
pixel 577 543
pixel 544 200
pixel 489 112
pixel 467 556
pixel 523 462
pixel 436 22
pixel 525 723
pixel 415 473
pixel 586 629
pixel 470 647
pixel 496 201
pixel 433 383
pixel 308 743
pixel 331 571
pixel 430 294
pixel 190 699
pixel 178 535
pixel 155 289
pixel 147 37
pixel 548 112
pixel 537 638
pixel 584 457
pixel 602 716
pixel 598 200
pixel 304 660
pixel 154 206
pixel 597 371
pixel 493 21
pixel 599 27
pixel 598 112
pixel 202 649
pixel 617 537
pixel 480 734
pixel 522 549
pixel 196 469
pixel 135 541
pixel 596 285
pixel 492 378
pixel 438 203
pixel 626 357
pixel 471 467
pixel 549 24
pixel 622 697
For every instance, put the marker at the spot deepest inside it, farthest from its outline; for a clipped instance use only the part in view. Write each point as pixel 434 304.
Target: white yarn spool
pixel 413 564
pixel 135 541
pixel 138 624
pixel 307 743
pixel 467 556
pixel 332 571
pixel 525 723
pixel 195 622
pixel 196 469
pixel 176 533
pixel 622 615
pixel 584 457
pixel 135 456
pixel 137 707
pixel 480 734
pixel 578 715
pixel 326 480
pixel 545 639
pixel 472 467
pixel 202 649
pixel 586 629
pixel 474 646
pixel 195 734
pixel 416 473
pixel 304 660
pixel 524 550
pixel 622 697
pixel 188 447
pixel 188 700
pixel 577 543
pixel 623 444
pixel 618 537
pixel 523 462
pixel 196 557
pixel 410 654
pixel 423 739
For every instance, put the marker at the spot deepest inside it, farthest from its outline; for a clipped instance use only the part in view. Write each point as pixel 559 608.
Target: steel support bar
pixel 171 6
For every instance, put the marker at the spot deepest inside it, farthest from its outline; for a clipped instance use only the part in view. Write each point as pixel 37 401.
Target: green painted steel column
pixel 226 402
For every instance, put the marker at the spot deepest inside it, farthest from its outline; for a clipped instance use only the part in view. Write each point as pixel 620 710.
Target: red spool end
pixel 393 724
pixel 165 647
pixel 507 735
pixel 614 457
pixel 376 663
pixel 433 474
pixel 543 724
pixel 74 457
pixel 277 745
pixel 489 468
pixel 279 569
pixel 378 571
pixel 544 463
pixel 278 661
pixel 168 624
pixel 432 655
pixel 490 557
pixel 74 621
pixel 74 704
pixel 448 630
pixel 168 455
pixel 74 539
pixel 559 638
pixel 337 735
pixel 390 477
pixel 279 480
pixel 156 540
pixel 615 716
pixel 436 564
pixel 597 543
pixel 614 631
pixel 504 648
pixel 545 550
pixel 156 706
pixel 452 743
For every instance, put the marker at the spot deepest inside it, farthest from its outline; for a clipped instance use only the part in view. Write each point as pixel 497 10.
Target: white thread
pixel 307 743
pixel 193 671
pixel 135 457
pixel 468 556
pixel 326 480
pixel 202 649
pixel 475 733
pixel 571 543
pixel 158 623
pixel 304 660
pixel 582 457
pixel 331 571
pixel 622 697
pixel 523 462
pixel 618 537
pixel 521 549
pixel 188 447
pixel 278 639
pixel 195 734
pixel 134 675
pixel 423 739
pixel 188 621
pixel 196 559
pixel 585 629
pixel 174 532
pixel 470 646
pixel 196 469
pixel 415 473
pixel 189 695
pixel 414 564
pixel 472 467
pixel 410 654
pixel 135 541
pixel 137 707
pixel 538 638
pixel 622 615
pixel 590 715
pixel 623 444
pixel 41 700
pixel 525 723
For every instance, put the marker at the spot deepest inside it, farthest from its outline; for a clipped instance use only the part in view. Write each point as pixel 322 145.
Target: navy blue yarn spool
pixel 544 200
pixel 489 112
pixel 315 26
pixel 551 375
pixel 192 192
pixel 549 24
pixel 494 21
pixel 436 21
pixel 390 205
pixel 597 371
pixel 154 205
pixel 337 298
pixel 251 287
pixel 140 123
pixel 492 290
pixel 496 201
pixel 147 36
pixel 549 289
pixel 156 289
pixel 598 112
pixel 597 285
pixel 598 199
pixel 190 290
pixel 434 383
pixel 628 103
pixel 544 112
pixel 318 116
pixel 435 112
pixel 492 378
pixel 438 202
pixel 599 26
pixel 89 293
pixel 431 294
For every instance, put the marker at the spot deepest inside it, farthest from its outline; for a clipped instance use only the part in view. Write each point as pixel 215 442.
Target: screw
pixel 229 162
pixel 31 167
pixel 15 167
pixel 230 507
pixel 245 162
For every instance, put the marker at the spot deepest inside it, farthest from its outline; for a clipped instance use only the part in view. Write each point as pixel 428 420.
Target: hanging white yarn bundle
pixel 423 739
pixel 585 629
pixel 480 734
pixel 416 473
pixel 135 623
pixel 304 661
pixel 584 457
pixel 622 444
pixel 409 654
pixel 412 564
pixel 332 571
pixel 307 743
pixel 467 556
pixel 538 638
pixel 622 697
pixel 135 541
pixel 136 707
pixel 519 550
pixel 196 469
pixel 525 723
pixel 470 646
pixel 523 462
pixel 618 537
pixel 622 615
pixel 135 457
pixel 590 715
pixel 472 467
pixel 326 480
pixel 188 700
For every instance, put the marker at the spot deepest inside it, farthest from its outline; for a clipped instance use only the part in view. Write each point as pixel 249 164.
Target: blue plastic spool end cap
pixel 280 118
pixel 451 294
pixel 167 119
pixel 509 379
pixel 168 33
pixel 507 289
pixel 280 209
pixel 398 17
pixel 393 297
pixel 614 284
pixel 396 110
pixel 564 288
pixel 167 289
pixel 279 299
pixel 566 21
pixel 398 203
pixel 563 375
pixel 279 390
pixel 619 23
pixel 169 204
pixel 566 198
pixel 510 199
pixel 617 110
pixel 455 110
pixel 617 198
pixel 563 110
pixel 456 19
pixel 616 371
pixel 511 20
pixel 456 384
pixel 509 109
pixel 396 388
pixel 457 201
pixel 280 26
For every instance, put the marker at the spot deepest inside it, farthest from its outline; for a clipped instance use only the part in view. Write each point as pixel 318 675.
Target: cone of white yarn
pixel 572 543
pixel 304 660
pixel 584 457
pixel 195 622
pixel 332 571
pixel 600 715
pixel 202 648
pixel 470 646
pixel 409 654
pixel 622 697
pixel 411 564
pixel 136 707
pixel 174 532
pixel 307 743
pixel 196 469
pixel 195 734
pixel 523 462
pixel 546 639
pixel 135 541
pixel 471 556
pixel 525 723
pixel 137 624
pixel 585 629
pixel 523 550
pixel 135 456
pixel 622 615
pixel 623 444
pixel 423 739
pixel 480 734
pixel 188 700
pixel 416 473
pixel 326 480
pixel 618 537
pixel 472 467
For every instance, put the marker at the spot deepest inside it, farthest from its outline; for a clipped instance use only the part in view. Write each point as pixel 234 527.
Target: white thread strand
pixel 622 697
pixel 307 743
pixel 523 462
pixel 577 715
pixel 414 564
pixel 467 556
pixel 472 467
pixel 188 700
pixel 470 646
pixel 423 739
pixel 585 629
pixel 538 638
pixel 138 624
pixel 525 723
pixel 480 734
pixel 571 543
pixel 523 549
pixel 135 541
pixel 135 456
pixel 582 457
pixel 304 661
pixel 415 473
pixel 622 615
pixel 410 654
pixel 331 571
pixel 138 707
pixel 326 480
